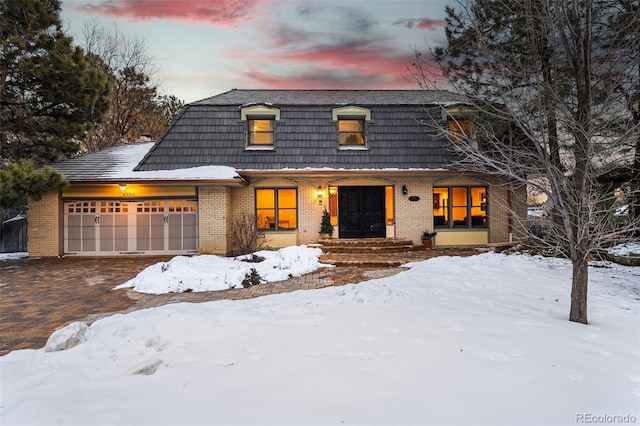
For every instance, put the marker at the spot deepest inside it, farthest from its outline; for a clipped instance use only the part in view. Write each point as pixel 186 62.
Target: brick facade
pixel 213 217
pixel 44 226
pixel 411 217
pixel 218 205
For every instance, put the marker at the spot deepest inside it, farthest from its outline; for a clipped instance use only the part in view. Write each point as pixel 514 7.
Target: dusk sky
pixel 203 48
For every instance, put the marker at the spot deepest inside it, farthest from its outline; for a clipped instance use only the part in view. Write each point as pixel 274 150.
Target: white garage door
pixel 94 228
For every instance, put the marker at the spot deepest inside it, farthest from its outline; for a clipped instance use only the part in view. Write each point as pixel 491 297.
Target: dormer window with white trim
pixel 260 127
pixel 351 127
pixel 458 120
pixel 260 131
pixel 351 131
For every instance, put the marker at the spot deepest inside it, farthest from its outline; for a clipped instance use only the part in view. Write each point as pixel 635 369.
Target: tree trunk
pixel 577 42
pixel 579 285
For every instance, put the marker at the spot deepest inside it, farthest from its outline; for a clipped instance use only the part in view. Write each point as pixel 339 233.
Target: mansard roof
pixel 401 133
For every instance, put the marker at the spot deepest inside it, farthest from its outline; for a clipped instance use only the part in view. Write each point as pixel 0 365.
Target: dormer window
pixel 351 131
pixel 459 129
pixel 260 126
pixel 260 131
pixel 351 126
pixel 459 122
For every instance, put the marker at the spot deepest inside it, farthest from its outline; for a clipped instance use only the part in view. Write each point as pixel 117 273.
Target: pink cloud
pixel 421 24
pixel 293 63
pixel 220 12
pixel 340 67
pixel 325 78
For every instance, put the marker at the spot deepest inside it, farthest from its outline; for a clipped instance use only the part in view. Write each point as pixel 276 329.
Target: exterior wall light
pixel 319 193
pixel 123 187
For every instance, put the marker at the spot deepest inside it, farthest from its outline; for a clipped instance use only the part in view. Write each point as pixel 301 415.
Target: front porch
pixel 381 252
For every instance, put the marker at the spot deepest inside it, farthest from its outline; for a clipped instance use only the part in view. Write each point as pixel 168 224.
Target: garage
pixel 108 227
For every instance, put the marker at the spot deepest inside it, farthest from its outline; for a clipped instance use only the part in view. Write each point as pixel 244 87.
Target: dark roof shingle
pixel 333 97
pixel 398 136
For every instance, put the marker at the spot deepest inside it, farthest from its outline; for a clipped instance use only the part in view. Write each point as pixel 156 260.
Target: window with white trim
pixel 351 124
pixel 260 126
pixel 351 131
pixel 260 131
pixel 459 122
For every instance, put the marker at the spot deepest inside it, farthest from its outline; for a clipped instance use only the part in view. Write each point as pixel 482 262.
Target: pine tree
pixel 20 182
pixel 49 93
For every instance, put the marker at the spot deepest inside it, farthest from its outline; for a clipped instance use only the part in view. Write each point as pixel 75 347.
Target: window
pixel 459 120
pixel 260 126
pixel 458 129
pixel 351 126
pixel 276 208
pixel 260 131
pixel 351 131
pixel 460 207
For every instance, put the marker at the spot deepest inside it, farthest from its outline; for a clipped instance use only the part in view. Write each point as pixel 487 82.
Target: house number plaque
pixel 414 198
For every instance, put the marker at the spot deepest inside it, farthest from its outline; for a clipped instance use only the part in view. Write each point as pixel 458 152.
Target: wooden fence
pixel 13 235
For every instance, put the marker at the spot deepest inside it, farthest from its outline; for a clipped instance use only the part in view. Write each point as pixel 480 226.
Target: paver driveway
pixel 40 295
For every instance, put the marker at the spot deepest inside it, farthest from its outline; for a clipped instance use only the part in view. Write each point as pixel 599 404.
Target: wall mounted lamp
pixel 319 193
pixel 404 190
pixel 123 187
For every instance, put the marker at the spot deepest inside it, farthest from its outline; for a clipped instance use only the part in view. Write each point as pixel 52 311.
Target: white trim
pixel 263 147
pixel 351 111
pixel 459 112
pixel 259 110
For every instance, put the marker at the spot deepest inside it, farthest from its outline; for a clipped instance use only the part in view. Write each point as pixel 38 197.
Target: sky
pixel 203 48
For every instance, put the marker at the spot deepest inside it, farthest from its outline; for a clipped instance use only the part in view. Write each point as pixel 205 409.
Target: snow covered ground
pixel 627 249
pixel 476 341
pixel 16 255
pixel 211 273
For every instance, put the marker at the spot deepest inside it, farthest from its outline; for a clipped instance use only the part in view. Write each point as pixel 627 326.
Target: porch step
pixel 383 260
pixel 368 251
pixel 369 245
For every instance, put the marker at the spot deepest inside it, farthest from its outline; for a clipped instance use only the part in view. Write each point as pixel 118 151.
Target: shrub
pixel 244 233
pixel 252 278
pixel 325 226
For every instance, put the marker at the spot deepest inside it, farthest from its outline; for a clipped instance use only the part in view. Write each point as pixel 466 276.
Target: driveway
pixel 40 295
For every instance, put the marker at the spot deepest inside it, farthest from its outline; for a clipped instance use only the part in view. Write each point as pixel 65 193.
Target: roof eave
pixel 221 182
pixel 347 172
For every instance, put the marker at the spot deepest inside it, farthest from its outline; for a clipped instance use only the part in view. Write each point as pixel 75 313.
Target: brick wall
pixel 213 215
pixel 43 230
pixel 411 217
pixel 414 217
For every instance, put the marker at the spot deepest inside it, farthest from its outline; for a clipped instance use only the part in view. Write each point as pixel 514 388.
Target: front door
pixel 361 211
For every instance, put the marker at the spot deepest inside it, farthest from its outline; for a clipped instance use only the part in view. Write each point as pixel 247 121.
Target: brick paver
pixel 40 295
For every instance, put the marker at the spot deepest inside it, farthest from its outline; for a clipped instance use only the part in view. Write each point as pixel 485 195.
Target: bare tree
pixel 244 233
pixel 136 107
pixel 550 115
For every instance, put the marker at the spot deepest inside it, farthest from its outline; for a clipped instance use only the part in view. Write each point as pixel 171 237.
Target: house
pixel 376 160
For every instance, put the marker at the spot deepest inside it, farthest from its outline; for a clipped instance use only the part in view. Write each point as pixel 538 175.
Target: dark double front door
pixel 361 211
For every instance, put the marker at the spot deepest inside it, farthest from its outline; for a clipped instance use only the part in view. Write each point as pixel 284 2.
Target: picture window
pixel 276 209
pixel 457 207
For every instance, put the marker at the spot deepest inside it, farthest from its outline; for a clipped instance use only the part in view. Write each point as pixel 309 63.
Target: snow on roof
pixel 117 164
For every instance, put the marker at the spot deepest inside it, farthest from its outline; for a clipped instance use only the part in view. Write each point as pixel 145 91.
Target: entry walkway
pixel 40 295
